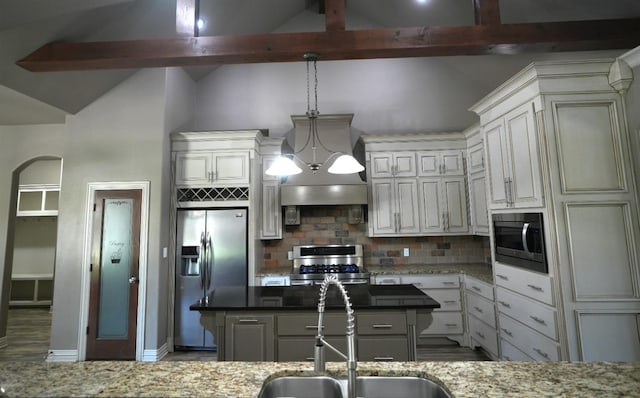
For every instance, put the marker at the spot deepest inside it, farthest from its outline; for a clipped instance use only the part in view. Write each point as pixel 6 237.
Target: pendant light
pixel 285 165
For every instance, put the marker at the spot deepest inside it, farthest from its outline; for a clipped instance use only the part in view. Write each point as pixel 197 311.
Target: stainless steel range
pixel 311 263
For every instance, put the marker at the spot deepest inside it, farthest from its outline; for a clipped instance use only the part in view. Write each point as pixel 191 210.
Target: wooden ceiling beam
pixel 339 45
pixel 487 12
pixel 334 15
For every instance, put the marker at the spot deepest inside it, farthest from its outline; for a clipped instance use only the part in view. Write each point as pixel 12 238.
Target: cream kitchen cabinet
pixel 393 164
pixel 443 205
pixel 446 290
pixel 395 208
pixel 207 168
pixel 440 163
pixel 270 209
pixel 513 165
pixel 481 315
pixel 527 317
pixel 476 179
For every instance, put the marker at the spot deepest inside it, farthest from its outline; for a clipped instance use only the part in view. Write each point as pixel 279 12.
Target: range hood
pixel 321 187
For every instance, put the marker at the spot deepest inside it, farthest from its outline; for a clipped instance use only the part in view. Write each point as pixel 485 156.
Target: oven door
pixel 519 240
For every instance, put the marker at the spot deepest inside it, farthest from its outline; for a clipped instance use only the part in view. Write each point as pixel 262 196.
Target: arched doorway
pixel 29 265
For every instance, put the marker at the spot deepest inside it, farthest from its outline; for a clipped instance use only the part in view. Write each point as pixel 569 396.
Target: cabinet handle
pixel 451 325
pixel 450 301
pixel 504 304
pixel 536 288
pixel 507 332
pixel 389 281
pixel 502 277
pixel 248 320
pixel 506 191
pixel 542 353
pixel 382 326
pixel 481 335
pixel 511 192
pixel 446 217
pixel 476 288
pixel 448 283
pixel 312 327
pixel 540 321
pixel 478 309
pixel 310 359
pixel 383 358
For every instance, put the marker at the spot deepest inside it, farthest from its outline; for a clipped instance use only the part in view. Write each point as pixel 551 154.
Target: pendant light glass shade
pixel 345 164
pixel 283 166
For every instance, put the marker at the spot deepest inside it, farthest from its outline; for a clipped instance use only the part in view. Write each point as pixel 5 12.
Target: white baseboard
pixel 62 356
pixel 155 355
pixel 4 341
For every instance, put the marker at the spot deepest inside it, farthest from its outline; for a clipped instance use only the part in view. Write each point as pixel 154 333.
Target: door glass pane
pixel 116 263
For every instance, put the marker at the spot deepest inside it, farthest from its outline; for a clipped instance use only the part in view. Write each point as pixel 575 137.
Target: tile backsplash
pixel 328 225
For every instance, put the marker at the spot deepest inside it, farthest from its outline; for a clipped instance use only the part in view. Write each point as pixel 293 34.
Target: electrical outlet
pixel 406 252
pixel 289 255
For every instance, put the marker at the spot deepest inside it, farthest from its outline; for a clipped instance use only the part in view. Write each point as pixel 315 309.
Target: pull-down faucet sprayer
pixel 352 363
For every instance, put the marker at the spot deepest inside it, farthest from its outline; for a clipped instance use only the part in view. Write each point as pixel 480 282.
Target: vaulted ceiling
pixel 99 43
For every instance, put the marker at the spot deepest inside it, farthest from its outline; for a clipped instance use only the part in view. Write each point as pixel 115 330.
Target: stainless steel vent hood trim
pixel 321 187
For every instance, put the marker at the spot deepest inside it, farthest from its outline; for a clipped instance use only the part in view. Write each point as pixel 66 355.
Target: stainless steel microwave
pixel 519 240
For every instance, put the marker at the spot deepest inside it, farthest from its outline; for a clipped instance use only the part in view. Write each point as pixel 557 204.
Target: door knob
pixel 133 280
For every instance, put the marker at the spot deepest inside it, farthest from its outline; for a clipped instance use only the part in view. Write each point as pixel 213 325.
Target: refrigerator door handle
pixel 202 259
pixel 209 260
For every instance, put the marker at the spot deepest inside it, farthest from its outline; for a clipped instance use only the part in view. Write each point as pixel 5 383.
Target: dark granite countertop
pixel 306 297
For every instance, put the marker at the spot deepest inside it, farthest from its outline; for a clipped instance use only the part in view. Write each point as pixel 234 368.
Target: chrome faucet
pixel 352 362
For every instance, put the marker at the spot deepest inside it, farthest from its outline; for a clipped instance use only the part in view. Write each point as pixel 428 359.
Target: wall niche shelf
pixel 38 200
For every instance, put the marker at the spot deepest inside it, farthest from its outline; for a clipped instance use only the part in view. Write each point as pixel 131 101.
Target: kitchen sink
pixel 367 387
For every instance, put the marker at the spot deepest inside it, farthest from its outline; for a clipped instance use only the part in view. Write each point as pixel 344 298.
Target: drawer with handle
pixel 529 341
pixel 445 323
pixel 299 324
pixel 478 287
pixel 531 313
pixel 432 281
pixel 531 284
pixel 484 335
pixel 449 299
pixel 509 352
pixel 381 322
pixel 481 308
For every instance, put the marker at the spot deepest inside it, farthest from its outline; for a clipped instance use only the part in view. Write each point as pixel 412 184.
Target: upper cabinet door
pixel 513 165
pixel 526 180
pixel 393 164
pixel 440 163
pixel 496 164
pixel 212 168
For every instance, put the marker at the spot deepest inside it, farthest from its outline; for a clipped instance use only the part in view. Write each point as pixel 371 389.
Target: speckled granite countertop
pixel 244 379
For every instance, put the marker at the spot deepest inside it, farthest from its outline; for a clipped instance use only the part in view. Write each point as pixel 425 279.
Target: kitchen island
pixel 279 323
pixel 245 379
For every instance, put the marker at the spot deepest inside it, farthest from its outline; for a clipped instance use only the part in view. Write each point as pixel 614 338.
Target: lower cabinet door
pixel 249 338
pixel 301 348
pixel 383 349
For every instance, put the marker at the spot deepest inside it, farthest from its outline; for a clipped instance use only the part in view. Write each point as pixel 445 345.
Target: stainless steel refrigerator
pixel 211 251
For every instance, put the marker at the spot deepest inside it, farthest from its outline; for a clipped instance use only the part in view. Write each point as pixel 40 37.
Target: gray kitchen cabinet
pixel 249 337
pixel 270 211
pixel 382 335
pixel 394 206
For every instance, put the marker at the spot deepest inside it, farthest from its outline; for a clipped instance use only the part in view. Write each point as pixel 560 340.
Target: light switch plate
pixel 289 255
pixel 405 252
pixel 164 252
